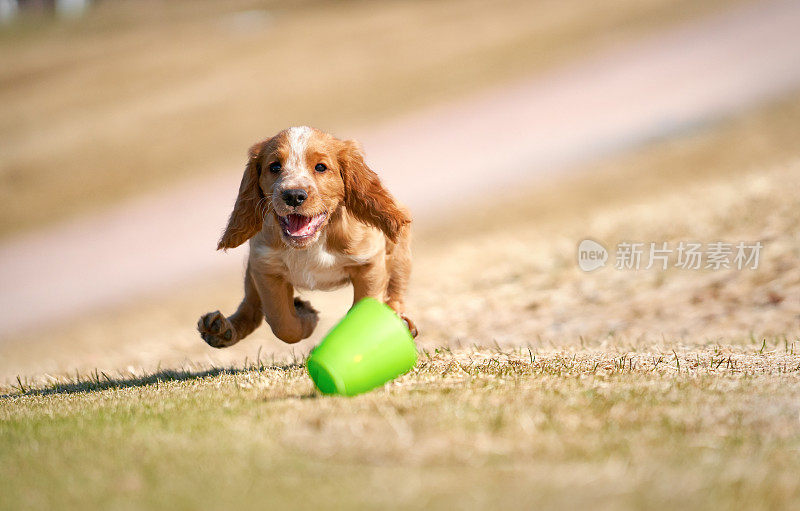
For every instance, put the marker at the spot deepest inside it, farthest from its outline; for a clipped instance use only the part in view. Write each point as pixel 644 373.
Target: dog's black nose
pixel 294 197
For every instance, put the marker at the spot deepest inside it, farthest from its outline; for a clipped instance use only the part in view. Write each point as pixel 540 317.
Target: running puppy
pixel 316 217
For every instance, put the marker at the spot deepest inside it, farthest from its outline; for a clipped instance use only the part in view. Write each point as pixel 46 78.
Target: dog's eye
pixel 320 167
pixel 275 167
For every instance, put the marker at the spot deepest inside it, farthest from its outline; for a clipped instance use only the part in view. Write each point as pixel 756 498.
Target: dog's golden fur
pixel 363 236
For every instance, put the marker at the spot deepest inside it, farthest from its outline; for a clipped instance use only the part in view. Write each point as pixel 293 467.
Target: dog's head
pixel 300 178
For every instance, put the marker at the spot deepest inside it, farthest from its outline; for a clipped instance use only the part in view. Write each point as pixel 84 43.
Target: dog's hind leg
pixel 221 332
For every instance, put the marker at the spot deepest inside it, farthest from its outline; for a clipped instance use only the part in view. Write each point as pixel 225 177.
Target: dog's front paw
pixel 216 330
pixel 308 316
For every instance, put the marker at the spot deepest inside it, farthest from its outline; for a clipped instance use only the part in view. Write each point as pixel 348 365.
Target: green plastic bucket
pixel 370 346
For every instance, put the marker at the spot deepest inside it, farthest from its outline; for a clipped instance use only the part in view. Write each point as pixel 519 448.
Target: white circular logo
pixel 591 255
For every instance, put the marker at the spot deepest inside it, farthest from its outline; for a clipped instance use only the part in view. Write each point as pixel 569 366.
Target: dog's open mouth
pixel 299 226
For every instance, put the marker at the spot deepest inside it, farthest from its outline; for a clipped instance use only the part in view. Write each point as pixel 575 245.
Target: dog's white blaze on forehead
pixel 298 143
pixel 297 174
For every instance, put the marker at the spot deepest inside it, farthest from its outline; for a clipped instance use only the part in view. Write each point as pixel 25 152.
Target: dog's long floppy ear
pixel 245 220
pixel 366 198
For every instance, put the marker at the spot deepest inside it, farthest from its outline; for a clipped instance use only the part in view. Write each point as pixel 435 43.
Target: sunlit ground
pixel 609 389
pixel 538 385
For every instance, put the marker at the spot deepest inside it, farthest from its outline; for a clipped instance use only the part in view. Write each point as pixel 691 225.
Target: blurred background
pixel 513 129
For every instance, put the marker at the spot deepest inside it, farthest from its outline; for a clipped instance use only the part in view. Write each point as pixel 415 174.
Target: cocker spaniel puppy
pixel 316 217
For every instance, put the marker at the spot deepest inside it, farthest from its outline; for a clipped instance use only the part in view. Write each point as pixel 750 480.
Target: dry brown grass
pixel 130 98
pixel 522 281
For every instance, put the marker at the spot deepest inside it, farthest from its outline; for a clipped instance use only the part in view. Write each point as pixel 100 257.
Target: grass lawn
pixel 688 427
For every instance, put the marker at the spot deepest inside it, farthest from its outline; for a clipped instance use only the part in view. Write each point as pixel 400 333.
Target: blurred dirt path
pixel 670 82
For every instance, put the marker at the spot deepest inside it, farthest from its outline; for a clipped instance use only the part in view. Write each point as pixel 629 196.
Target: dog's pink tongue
pixel 298 224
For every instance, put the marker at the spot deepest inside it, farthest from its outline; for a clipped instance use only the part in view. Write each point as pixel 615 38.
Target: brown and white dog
pixel 317 218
